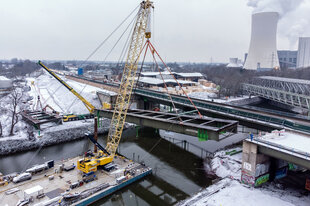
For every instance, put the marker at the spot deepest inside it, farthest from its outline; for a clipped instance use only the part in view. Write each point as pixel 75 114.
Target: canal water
pixel 177 174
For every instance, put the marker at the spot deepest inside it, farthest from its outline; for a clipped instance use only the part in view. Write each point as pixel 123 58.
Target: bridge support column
pixel 255 166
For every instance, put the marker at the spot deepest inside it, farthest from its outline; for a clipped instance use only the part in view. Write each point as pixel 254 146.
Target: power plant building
pixel 287 59
pixel 303 59
pixel 262 53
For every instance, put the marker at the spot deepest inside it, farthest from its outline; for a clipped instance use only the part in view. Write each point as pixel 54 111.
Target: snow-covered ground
pixel 229 190
pixel 54 94
pixel 60 98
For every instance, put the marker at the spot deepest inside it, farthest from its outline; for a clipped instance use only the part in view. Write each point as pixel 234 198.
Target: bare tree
pixel 15 98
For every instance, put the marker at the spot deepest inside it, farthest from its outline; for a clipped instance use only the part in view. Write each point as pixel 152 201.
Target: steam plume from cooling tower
pixel 294 16
pixel 281 6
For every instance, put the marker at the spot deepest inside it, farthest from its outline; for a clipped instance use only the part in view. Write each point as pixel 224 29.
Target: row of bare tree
pixel 231 79
pixel 15 100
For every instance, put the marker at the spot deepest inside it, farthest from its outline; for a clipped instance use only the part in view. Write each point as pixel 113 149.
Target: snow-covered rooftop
pixel 2 78
pixel 194 74
pixel 155 73
pixel 183 74
pixel 155 81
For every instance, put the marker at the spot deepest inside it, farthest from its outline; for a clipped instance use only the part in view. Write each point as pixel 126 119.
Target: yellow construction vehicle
pixel 140 32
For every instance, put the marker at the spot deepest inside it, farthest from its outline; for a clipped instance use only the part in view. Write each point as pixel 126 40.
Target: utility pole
pixel 95 133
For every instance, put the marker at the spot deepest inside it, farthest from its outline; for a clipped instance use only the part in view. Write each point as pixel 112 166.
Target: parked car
pixel 22 177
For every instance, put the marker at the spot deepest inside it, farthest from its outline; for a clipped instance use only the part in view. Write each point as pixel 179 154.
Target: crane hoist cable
pixel 154 50
pixel 165 85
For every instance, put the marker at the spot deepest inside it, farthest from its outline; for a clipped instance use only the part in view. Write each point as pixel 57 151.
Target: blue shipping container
pixel 80 71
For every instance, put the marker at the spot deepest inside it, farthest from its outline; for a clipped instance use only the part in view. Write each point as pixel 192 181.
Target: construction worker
pixel 251 136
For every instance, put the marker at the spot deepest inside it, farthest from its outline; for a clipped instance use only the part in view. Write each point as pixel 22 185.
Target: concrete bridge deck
pixel 293 148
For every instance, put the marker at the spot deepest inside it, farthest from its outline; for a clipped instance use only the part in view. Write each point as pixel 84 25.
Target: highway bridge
pixel 262 120
pixel 247 117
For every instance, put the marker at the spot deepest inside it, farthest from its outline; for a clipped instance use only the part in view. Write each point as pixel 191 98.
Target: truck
pixel 22 177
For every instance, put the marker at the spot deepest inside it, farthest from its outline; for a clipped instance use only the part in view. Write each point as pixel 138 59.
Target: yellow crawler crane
pixel 141 31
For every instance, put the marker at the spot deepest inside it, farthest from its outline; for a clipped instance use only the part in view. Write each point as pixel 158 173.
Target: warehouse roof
pixel 194 74
pixel 183 74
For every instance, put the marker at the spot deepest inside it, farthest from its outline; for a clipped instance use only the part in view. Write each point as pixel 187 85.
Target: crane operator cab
pixel 90 163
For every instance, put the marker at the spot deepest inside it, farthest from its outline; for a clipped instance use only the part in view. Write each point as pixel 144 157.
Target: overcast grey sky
pixel 185 30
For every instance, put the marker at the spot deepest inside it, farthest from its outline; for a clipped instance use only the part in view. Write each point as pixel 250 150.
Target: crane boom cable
pixel 100 45
pixel 126 46
pixel 119 39
pixel 106 39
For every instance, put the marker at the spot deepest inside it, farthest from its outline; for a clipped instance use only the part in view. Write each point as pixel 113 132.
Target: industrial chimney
pixel 263 54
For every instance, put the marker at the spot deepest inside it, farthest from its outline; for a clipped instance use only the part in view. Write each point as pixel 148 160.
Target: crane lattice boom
pixel 128 77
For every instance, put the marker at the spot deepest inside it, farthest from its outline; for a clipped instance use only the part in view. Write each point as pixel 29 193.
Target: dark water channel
pixel 177 174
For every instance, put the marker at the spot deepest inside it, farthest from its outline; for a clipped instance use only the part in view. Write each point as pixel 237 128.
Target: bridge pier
pixel 146 104
pixel 255 166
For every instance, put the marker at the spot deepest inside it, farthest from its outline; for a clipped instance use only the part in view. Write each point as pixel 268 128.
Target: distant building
pixel 287 59
pixel 303 58
pixel 5 84
pixel 234 63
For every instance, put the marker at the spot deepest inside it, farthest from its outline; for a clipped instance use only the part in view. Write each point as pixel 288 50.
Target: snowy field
pixel 230 192
pixel 54 94
pixel 60 98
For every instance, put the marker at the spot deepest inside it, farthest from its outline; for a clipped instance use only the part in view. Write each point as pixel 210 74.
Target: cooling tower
pixel 262 53
pixel 303 57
